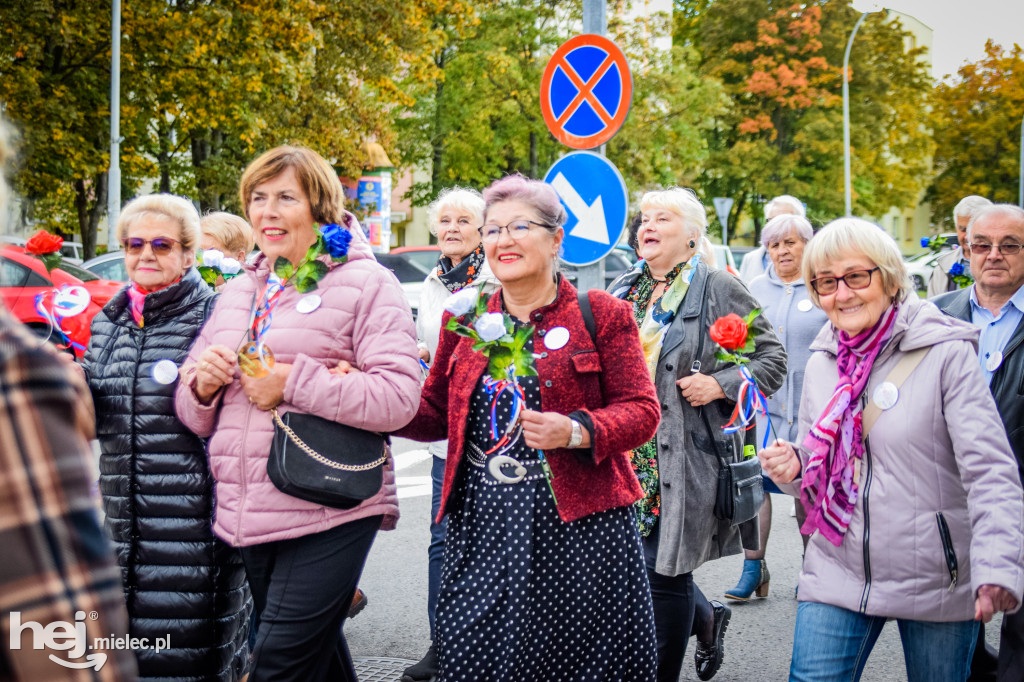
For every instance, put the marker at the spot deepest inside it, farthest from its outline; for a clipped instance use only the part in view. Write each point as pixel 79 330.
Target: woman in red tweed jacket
pixel 542 582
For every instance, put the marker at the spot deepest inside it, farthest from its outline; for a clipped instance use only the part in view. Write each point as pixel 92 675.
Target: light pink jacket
pixel 364 319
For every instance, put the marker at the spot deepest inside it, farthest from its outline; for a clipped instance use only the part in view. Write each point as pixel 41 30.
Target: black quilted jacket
pixel 180 581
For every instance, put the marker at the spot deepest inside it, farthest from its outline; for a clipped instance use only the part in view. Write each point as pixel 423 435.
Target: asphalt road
pixel 758 641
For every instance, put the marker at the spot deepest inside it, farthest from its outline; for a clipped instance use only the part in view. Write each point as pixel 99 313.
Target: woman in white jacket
pixel 455 218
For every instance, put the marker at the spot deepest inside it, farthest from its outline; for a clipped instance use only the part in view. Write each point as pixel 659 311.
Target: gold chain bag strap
pixel 325 462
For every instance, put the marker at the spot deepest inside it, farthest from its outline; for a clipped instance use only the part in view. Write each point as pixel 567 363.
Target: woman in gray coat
pixel 678 469
pixel 904 468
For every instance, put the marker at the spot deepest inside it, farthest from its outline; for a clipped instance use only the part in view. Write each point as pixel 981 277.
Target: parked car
pixel 423 256
pixel 108 266
pixel 920 268
pixel 409 273
pixel 23 277
pixel 738 252
pixel 724 259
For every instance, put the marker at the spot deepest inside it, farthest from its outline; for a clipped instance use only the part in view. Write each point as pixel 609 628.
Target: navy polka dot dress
pixel 526 596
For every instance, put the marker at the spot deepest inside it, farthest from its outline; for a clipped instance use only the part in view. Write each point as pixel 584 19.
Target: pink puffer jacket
pixel 364 319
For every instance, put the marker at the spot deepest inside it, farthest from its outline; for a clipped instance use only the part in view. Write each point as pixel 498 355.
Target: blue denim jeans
pixel 435 552
pixel 832 643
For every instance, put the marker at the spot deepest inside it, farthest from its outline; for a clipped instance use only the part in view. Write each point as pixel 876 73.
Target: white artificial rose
pixel 213 258
pixel 490 326
pixel 462 301
pixel 229 266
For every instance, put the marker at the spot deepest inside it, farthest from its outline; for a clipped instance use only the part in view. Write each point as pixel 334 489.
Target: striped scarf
pixel 831 485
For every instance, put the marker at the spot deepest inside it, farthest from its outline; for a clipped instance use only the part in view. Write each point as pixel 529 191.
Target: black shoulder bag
pixel 323 461
pixel 740 490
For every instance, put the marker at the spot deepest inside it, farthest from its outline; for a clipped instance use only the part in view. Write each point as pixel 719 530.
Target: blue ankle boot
pixel 754 579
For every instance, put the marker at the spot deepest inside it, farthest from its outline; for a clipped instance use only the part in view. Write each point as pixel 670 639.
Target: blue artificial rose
pixel 925 241
pixel 957 269
pixel 337 239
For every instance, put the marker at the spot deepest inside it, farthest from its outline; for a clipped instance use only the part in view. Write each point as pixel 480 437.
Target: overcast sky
pixel 962 26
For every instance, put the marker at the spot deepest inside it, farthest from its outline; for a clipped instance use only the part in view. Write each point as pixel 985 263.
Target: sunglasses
pixel 161 245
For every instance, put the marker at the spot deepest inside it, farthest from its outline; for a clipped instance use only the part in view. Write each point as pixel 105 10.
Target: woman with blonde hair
pixel 180 580
pixel 675 297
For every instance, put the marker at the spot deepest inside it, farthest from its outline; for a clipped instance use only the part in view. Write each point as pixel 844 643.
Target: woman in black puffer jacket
pixel 180 581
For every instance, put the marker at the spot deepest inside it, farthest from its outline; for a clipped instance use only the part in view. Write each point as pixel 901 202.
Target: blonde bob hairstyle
pixel 459 198
pixel 170 206
pixel 856 237
pixel 230 230
pixel 682 202
pixel 316 178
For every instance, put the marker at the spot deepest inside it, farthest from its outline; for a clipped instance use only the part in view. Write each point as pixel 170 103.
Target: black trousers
pixel 1011 648
pixel 680 611
pixel 303 588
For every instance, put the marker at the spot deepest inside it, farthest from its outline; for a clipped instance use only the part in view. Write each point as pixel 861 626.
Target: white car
pixel 920 268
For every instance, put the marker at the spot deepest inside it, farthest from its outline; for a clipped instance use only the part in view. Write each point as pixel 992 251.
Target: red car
pixel 23 277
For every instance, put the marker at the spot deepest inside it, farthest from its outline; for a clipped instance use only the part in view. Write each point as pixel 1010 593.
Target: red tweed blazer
pixel 609 382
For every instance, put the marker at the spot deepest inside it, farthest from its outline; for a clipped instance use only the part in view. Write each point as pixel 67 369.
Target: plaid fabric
pixel 55 560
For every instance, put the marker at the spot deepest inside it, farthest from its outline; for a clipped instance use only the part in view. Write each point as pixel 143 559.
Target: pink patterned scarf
pixel 831 485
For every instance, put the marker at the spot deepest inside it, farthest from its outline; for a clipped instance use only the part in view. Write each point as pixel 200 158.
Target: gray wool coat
pixel 689 533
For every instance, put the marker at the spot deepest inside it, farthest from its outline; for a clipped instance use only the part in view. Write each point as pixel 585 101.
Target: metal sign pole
pixel 114 173
pixel 595 21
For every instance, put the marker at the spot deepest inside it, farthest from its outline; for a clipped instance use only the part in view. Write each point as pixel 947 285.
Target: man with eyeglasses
pixel 995 303
pixel 941 279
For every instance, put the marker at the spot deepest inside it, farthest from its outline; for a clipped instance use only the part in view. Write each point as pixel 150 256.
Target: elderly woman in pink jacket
pixel 303 559
pixel 903 466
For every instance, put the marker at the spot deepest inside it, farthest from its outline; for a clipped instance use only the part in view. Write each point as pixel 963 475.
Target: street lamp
pixel 865 8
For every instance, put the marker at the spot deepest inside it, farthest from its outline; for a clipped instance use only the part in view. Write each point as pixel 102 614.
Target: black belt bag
pixel 325 462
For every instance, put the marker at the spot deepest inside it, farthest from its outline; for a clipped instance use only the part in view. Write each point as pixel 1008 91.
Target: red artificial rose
pixel 729 332
pixel 42 243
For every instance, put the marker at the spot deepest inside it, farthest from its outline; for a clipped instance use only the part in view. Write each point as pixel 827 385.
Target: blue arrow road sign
pixel 594 193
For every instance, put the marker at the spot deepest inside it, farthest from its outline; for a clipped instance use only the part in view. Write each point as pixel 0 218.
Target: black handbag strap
pixel 583 297
pixel 695 368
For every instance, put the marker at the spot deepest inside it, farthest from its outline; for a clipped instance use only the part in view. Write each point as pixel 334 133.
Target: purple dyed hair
pixel 540 195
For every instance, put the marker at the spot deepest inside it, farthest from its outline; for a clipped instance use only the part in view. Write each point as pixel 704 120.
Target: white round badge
pixel 804 306
pixel 165 372
pixel 71 301
pixel 993 361
pixel 308 303
pixel 556 337
pixel 886 395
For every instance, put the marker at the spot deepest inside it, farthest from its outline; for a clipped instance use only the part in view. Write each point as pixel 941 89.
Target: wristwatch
pixel 576 439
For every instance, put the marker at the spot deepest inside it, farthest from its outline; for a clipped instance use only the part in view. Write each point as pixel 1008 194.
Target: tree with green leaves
pixel 977 122
pixel 781 65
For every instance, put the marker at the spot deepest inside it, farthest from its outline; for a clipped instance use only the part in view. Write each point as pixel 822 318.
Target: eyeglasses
pixel 161 245
pixel 1004 249
pixel 858 279
pixel 517 229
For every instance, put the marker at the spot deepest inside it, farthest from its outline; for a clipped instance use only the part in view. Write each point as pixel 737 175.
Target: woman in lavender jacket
pixel 920 519
pixel 303 560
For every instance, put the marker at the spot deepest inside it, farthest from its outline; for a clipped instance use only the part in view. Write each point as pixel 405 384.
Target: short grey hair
pixel 855 236
pixel 462 198
pixel 1011 211
pixel 178 209
pixel 683 202
pixel 778 227
pixel 786 200
pixel 969 206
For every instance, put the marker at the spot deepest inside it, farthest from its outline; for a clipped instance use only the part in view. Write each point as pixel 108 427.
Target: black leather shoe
pixel 708 656
pixel 425 670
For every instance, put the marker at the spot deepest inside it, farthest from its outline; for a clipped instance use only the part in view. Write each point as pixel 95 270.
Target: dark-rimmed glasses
pixel 858 279
pixel 1004 249
pixel 517 229
pixel 161 245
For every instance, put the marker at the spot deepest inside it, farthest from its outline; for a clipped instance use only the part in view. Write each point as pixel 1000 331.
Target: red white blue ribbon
pixel 749 401
pixel 53 318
